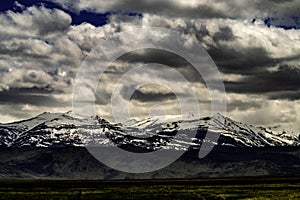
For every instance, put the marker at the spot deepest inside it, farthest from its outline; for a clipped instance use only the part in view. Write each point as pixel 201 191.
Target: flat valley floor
pixel 227 188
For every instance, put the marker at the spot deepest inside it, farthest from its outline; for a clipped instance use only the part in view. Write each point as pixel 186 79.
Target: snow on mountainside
pixel 61 129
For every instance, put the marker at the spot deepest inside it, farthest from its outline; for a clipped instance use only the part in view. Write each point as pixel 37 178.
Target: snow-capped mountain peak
pixel 62 129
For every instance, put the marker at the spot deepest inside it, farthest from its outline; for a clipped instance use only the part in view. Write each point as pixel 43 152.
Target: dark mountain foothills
pixel 52 145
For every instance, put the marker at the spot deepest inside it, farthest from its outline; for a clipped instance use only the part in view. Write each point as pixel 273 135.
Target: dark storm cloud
pixel 224 34
pixel 281 84
pixel 20 50
pixel 152 96
pixel 156 94
pixel 161 57
pixel 289 95
pixel 33 90
pixel 154 56
pixel 241 60
pixel 256 65
pixel 102 97
pixel 202 32
pixel 33 96
pixel 246 61
pixel 233 60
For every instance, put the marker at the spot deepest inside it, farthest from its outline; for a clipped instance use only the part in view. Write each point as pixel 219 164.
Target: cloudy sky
pixel 255 45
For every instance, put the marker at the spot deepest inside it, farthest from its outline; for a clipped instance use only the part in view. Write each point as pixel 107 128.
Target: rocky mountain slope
pixel 61 129
pixel 51 145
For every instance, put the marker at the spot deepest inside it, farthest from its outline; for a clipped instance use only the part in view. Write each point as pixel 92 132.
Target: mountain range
pixel 52 145
pixel 62 129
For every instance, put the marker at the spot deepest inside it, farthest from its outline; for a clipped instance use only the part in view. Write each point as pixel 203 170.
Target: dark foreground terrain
pixel 229 188
pixel 73 173
pixel 77 163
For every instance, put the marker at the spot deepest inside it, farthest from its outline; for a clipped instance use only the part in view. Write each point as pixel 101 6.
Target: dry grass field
pixel 229 188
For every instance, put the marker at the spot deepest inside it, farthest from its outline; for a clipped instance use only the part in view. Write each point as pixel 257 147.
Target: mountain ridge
pixel 64 129
pixel 241 150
